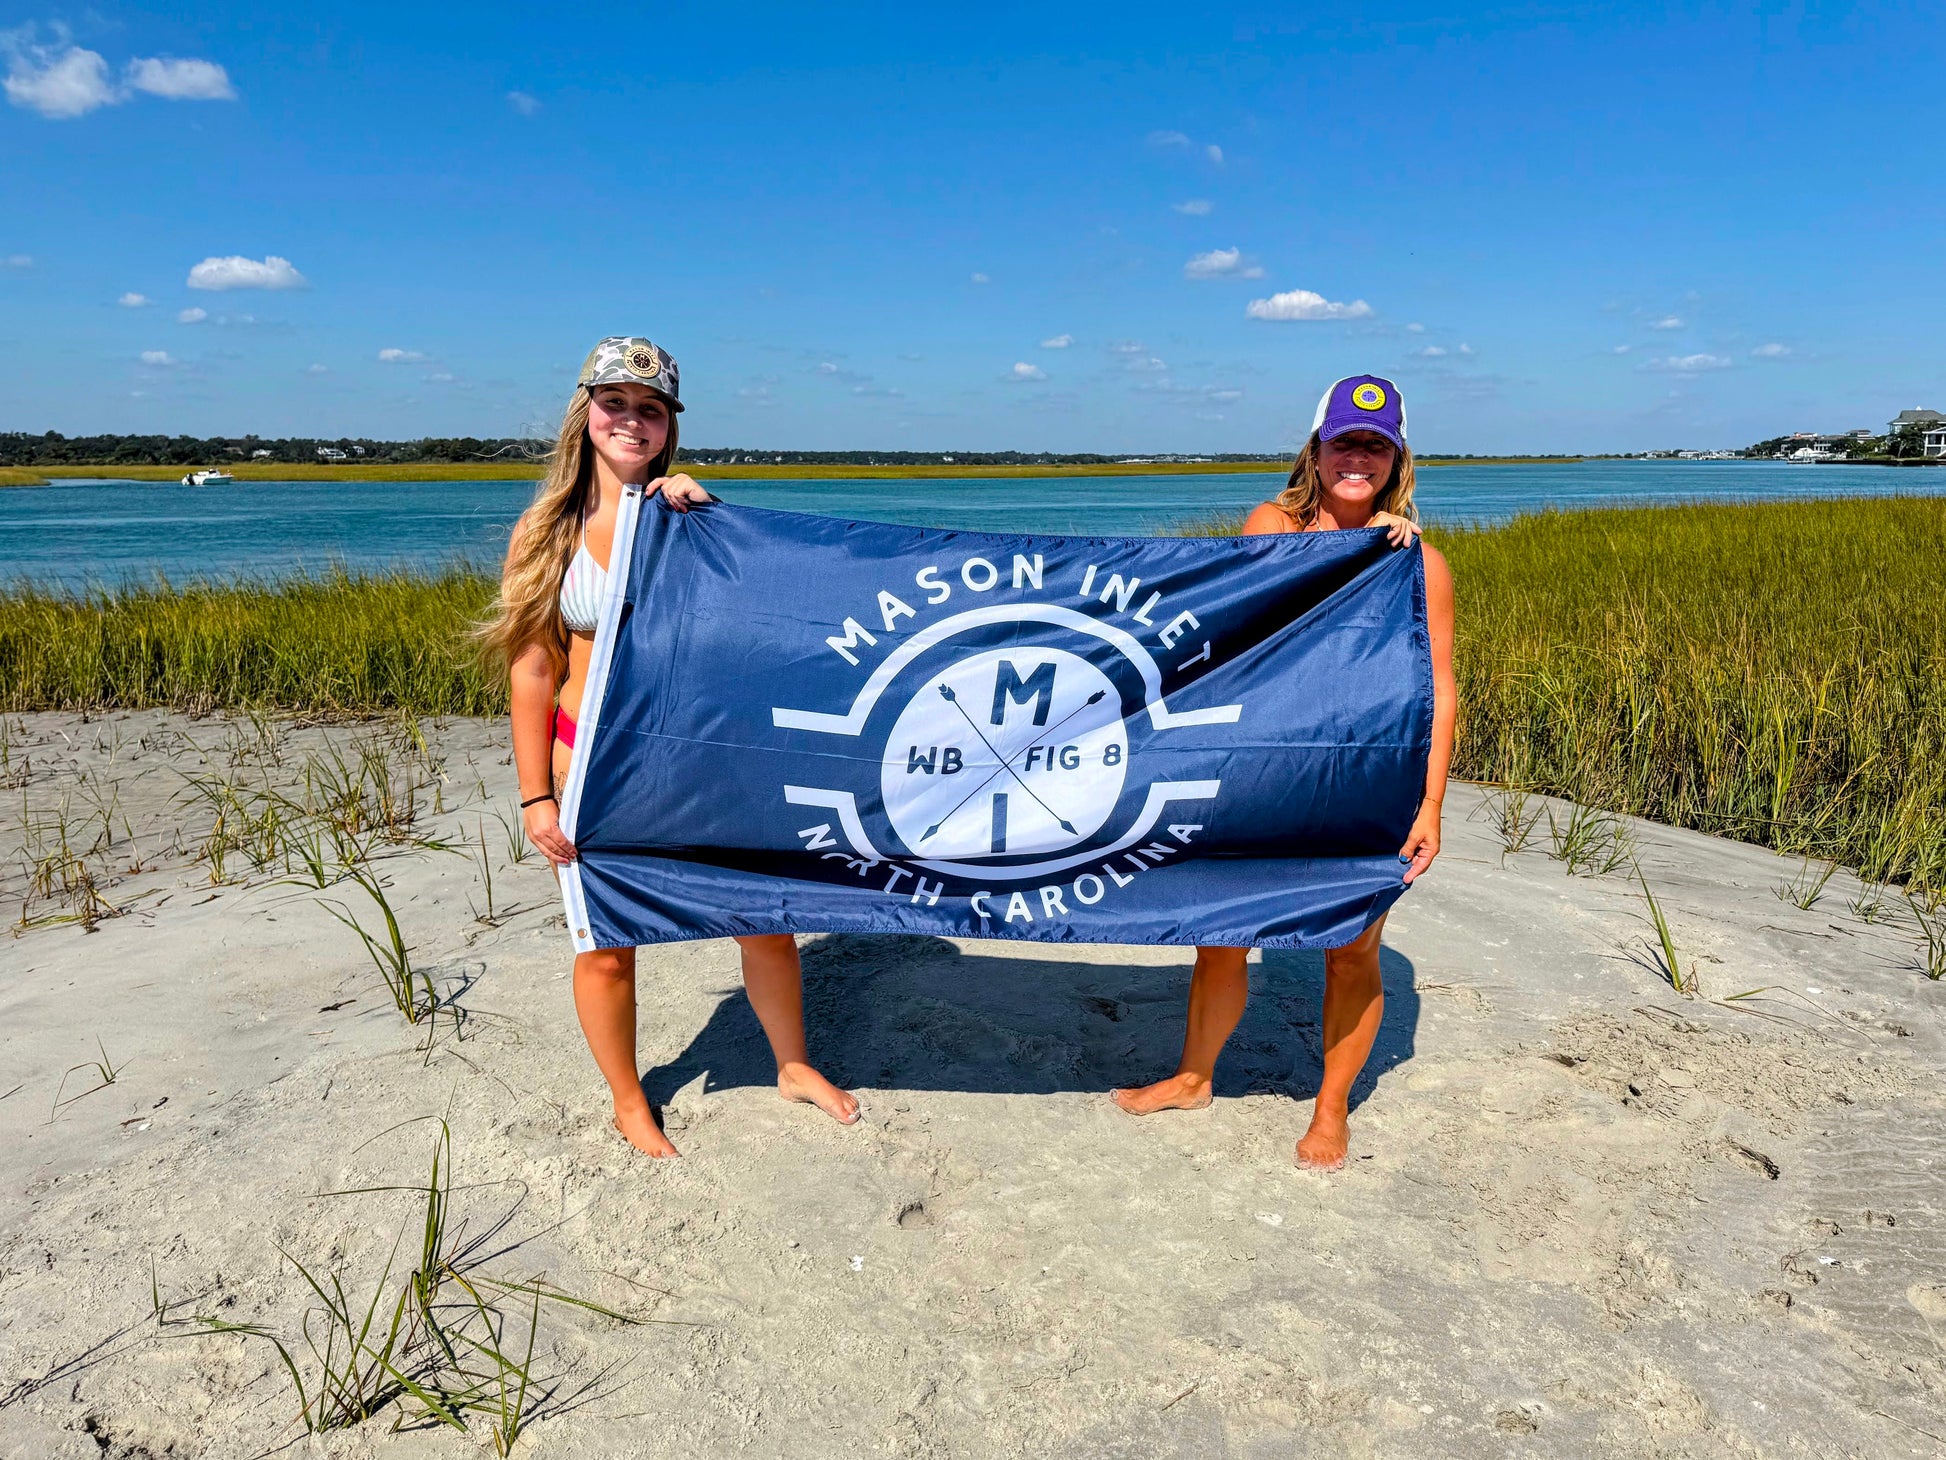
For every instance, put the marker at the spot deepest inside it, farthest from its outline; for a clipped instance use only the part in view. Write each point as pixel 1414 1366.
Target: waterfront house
pixel 1931 423
pixel 1929 420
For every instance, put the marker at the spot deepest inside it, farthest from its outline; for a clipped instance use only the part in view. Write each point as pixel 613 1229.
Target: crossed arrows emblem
pixel 1006 763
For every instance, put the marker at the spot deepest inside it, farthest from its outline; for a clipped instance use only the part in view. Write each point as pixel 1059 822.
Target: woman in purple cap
pixel 620 430
pixel 1354 471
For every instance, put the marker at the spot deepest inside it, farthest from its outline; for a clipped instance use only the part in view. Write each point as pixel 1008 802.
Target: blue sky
pixel 1078 227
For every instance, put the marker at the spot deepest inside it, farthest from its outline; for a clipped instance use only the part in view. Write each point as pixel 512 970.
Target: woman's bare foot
pixel 802 1083
pixel 1178 1092
pixel 1325 1143
pixel 639 1129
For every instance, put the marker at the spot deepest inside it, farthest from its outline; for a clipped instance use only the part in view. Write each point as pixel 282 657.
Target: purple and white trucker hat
pixel 1361 403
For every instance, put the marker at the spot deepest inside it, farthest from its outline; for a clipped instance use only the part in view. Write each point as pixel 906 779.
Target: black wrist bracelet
pixel 535 800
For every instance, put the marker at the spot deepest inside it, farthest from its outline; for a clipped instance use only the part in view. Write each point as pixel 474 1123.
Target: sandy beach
pixel 1584 1216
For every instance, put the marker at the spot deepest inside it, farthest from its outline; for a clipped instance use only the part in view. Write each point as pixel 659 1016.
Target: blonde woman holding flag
pixel 619 432
pixel 1354 472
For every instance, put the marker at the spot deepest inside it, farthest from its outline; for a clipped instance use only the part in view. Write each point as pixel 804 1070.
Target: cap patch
pixel 1369 397
pixel 644 363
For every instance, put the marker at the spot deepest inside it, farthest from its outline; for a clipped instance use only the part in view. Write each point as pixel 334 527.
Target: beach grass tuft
pixel 437 1345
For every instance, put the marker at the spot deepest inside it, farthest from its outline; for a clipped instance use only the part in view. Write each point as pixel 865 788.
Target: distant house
pixel 1929 420
pixel 1934 443
pixel 330 453
pixel 260 455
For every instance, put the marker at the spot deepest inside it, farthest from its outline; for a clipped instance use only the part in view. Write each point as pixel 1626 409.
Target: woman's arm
pixel 1422 845
pixel 533 685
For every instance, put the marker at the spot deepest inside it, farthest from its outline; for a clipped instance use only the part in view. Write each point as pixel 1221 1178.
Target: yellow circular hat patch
pixel 1369 397
pixel 644 363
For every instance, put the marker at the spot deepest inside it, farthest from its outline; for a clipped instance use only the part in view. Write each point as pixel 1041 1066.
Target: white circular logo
pixel 1009 751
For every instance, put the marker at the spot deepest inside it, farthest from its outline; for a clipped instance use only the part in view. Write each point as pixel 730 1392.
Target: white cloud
pixel 1667 322
pixel 56 81
pixel 317 369
pixel 828 367
pixel 17 261
pixel 1621 349
pixel 191 316
pixel 180 80
pixel 1195 207
pixel 1303 304
pixel 1771 351
pixel 981 279
pixel 1225 394
pixel 1465 349
pixel 1431 352
pixel 237 272
pixel 1059 342
pixel 1024 371
pixel 1168 139
pixel 132 300
pixel 521 102
pixel 64 80
pixel 396 356
pixel 158 357
pixel 1214 154
pixel 1687 364
pixel 1415 329
pixel 1221 263
pixel 441 377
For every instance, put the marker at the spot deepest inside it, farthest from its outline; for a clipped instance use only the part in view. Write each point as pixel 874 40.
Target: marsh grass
pixel 1931 918
pixel 350 645
pixel 413 993
pixel 1803 890
pixel 1774 673
pixel 1588 841
pixel 106 1072
pixel 446 1344
pixel 1670 966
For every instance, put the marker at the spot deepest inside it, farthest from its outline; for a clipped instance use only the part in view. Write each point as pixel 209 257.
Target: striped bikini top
pixel 583 587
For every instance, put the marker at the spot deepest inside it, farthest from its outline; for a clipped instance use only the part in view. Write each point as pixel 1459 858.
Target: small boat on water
pixel 211 478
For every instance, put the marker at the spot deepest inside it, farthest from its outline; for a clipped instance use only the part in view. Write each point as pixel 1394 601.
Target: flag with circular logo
pixel 800 724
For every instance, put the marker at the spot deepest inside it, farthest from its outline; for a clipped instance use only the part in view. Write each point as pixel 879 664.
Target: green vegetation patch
pixel 351 645
pixel 1774 673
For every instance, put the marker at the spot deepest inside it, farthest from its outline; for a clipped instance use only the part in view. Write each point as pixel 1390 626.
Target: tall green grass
pixel 348 644
pixel 1774 673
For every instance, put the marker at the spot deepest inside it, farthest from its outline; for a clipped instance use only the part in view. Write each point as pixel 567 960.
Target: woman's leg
pixel 604 997
pixel 774 979
pixel 1354 1003
pixel 1218 990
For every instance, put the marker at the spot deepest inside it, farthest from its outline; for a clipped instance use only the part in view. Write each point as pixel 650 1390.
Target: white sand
pixel 1585 1216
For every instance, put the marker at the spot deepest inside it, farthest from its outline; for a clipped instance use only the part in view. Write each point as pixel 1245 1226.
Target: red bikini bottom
pixel 563 728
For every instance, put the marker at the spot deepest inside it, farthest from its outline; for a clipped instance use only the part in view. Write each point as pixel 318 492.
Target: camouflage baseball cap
pixel 632 360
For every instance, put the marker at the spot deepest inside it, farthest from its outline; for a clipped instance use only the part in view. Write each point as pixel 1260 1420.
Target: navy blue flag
pixel 797 724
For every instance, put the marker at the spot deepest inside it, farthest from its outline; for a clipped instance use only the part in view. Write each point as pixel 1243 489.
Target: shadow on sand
pixel 916 1013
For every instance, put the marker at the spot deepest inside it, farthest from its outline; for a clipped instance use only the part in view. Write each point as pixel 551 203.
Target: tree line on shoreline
pixel 51 448
pixel 1908 443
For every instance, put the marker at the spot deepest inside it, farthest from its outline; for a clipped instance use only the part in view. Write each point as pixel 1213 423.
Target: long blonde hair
pixel 1304 492
pixel 528 610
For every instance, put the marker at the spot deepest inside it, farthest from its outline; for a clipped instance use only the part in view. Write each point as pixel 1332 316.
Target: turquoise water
pixel 107 532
